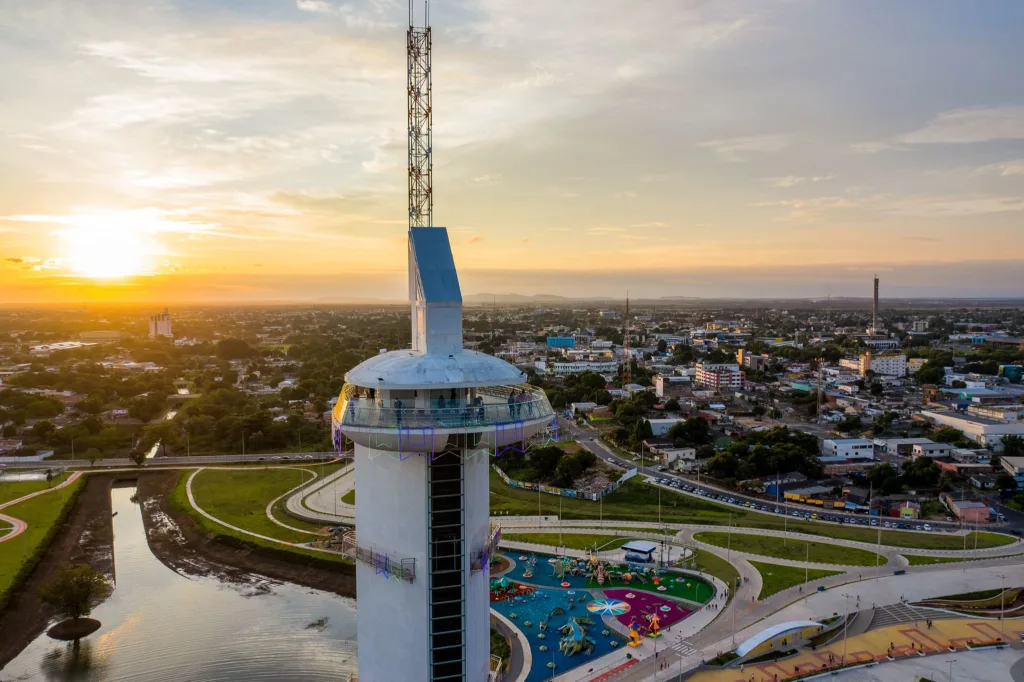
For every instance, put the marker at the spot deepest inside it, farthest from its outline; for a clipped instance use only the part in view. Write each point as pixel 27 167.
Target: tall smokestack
pixel 874 309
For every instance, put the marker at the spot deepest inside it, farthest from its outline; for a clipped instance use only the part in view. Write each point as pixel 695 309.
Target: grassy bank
pixel 776 578
pixel 794 550
pixel 12 490
pixel 349 497
pixel 240 497
pixel 917 560
pixel 44 515
pixel 179 500
pixel 706 562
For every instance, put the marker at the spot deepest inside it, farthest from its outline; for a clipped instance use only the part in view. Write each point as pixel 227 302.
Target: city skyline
pixel 222 152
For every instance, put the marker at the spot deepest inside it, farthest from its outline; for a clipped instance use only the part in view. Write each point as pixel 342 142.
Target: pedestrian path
pixel 17 525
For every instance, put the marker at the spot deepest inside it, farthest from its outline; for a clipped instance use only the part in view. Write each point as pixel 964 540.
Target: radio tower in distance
pixel 627 374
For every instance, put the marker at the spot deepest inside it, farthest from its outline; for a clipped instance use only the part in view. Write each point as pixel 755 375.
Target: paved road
pixel 590 440
pixel 320 501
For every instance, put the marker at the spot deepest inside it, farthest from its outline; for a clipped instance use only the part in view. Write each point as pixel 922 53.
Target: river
pixel 159 625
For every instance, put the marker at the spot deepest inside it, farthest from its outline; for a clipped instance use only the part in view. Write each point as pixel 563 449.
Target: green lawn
pixel 720 568
pixel 41 514
pixel 12 490
pixel 179 500
pixel 794 550
pixel 638 501
pixel 569 540
pixel 776 578
pixel 240 497
pixel 281 515
pixel 349 497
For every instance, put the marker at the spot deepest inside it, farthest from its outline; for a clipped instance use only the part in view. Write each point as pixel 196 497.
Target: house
pixel 967 511
pixel 10 445
pixel 909 510
pixel 582 408
pixel 932 450
pixel 659 427
pixel 1015 467
pixel 847 448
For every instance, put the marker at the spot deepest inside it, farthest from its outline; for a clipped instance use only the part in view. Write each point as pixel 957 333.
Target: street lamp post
pixel 1002 603
pixel 950 663
pixel 846 625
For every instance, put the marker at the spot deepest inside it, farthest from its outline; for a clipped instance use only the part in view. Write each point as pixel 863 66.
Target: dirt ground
pixel 87 537
pixel 175 539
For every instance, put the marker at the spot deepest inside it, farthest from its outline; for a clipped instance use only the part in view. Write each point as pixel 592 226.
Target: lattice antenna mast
pixel 627 374
pixel 421 197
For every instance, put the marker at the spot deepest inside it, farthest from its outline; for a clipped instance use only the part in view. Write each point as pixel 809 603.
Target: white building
pixel 932 450
pixel 659 427
pixel 724 376
pixel 848 448
pixel 160 325
pixel 987 433
pixel 671 386
pixel 575 367
pixel 423 422
pixel 915 364
pixel 887 364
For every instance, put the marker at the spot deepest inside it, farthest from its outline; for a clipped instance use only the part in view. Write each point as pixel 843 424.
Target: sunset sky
pixel 217 150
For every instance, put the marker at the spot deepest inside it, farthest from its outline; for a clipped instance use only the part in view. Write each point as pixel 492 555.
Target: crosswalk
pixel 683 648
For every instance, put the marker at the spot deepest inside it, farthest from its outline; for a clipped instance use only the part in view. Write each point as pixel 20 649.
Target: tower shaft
pixel 421 199
pixel 874 308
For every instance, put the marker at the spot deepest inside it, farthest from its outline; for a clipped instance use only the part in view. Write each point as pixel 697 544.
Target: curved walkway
pixel 211 517
pixel 318 500
pixel 19 526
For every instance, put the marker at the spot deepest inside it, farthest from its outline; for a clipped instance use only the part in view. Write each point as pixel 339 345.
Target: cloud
pixel 872 147
pixel 476 240
pixel 487 179
pixel 794 180
pixel 741 148
pixel 1004 169
pixel 953 206
pixel 963 126
pixel 315 6
pixel 15 260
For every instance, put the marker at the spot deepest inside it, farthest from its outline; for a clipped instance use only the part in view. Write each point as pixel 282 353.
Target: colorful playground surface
pixel 906 639
pixel 552 601
pixel 568 573
pixel 561 631
pixel 643 604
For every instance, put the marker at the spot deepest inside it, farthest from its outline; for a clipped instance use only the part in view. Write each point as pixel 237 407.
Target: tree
pixel 1013 445
pixel 850 423
pixel 947 434
pixel 138 456
pixel 72 591
pixel 9 430
pixel 1005 483
pixel 49 477
pixel 92 454
pixel 662 346
pixel 672 405
pixel 43 429
pixel 876 388
pixel 234 349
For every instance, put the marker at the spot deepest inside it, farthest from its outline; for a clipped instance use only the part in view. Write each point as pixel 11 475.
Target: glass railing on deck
pixel 493 405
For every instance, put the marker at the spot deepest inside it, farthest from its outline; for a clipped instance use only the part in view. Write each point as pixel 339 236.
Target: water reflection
pixel 158 625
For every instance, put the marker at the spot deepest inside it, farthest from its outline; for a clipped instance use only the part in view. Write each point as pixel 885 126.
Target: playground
pixel 565 606
pixel 563 634
pixel 570 573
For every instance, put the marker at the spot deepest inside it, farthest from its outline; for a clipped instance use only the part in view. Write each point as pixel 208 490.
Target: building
pixel 1015 467
pixel 847 448
pixel 422 421
pixel 564 368
pixel 671 386
pixel 160 325
pixel 754 362
pixel 582 408
pixel 607 314
pixel 915 364
pixel 881 342
pixel 659 427
pixel 966 511
pixel 561 342
pixel 932 450
pixel 987 433
pixel 886 364
pixel 719 377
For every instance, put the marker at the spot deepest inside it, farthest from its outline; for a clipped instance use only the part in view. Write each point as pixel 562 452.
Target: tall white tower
pixel 425 423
